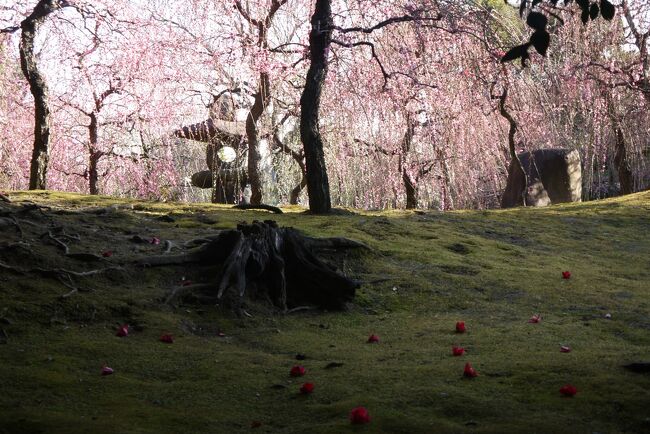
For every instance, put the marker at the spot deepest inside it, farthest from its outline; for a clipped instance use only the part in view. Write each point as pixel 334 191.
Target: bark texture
pixel 410 184
pixel 512 147
pixel 625 175
pixel 320 39
pixel 39 90
pixel 254 155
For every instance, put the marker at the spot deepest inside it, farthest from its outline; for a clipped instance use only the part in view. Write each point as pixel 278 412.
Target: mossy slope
pixel 493 270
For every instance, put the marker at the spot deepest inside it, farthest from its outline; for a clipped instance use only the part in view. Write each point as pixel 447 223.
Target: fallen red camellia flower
pixel 106 370
pixel 460 327
pixel 123 331
pixel 535 319
pixel 186 283
pixel 307 388
pixel 469 372
pixel 566 275
pixel 297 371
pixel 457 351
pixel 373 339
pixel 167 338
pixel 221 334
pixel 107 253
pixel 565 349
pixel 568 390
pixel 359 415
pixel 155 240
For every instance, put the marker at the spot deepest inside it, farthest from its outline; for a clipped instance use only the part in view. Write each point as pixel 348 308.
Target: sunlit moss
pixel 491 269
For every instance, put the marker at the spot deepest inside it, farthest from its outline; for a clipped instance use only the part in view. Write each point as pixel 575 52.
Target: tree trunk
pixel 93 154
pixel 411 191
pixel 625 176
pixel 410 184
pixel 295 193
pixel 447 199
pixel 39 90
pixel 320 39
pixel 254 155
pixel 511 143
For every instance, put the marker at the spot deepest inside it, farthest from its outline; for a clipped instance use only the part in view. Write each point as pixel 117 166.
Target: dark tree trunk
pixel 511 145
pixel 39 90
pixel 447 199
pixel 411 191
pixel 295 193
pixel 254 156
pixel 625 175
pixel 94 155
pixel 320 39
pixel 410 184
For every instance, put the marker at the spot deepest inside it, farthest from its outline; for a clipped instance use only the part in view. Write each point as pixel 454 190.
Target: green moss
pixel 492 269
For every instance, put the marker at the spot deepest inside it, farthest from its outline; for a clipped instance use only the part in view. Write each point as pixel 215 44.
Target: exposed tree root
pixel 57 272
pixel 265 260
pixel 245 206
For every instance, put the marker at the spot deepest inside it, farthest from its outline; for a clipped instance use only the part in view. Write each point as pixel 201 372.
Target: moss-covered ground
pixel 492 269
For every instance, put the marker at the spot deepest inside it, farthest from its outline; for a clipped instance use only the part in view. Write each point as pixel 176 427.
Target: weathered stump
pixel 265 260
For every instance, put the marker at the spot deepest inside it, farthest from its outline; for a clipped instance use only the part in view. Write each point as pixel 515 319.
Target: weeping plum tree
pixel 193 50
pixel 262 97
pixel 39 89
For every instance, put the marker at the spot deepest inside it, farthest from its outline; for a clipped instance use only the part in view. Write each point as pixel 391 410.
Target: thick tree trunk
pixel 254 155
pixel 320 39
pixel 411 191
pixel 625 175
pixel 39 90
pixel 94 154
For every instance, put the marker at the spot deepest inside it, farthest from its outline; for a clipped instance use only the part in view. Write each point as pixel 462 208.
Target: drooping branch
pixel 393 20
pixel 373 53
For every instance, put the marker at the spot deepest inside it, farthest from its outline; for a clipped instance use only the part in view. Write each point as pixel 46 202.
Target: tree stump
pixel 263 259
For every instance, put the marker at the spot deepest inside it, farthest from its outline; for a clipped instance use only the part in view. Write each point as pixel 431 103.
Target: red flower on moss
pixel 469 372
pixel 167 338
pixel 565 349
pixel 297 371
pixel 123 331
pixel 568 390
pixel 107 253
pixel 460 327
pixel 154 240
pixel 307 388
pixel 566 275
pixel 106 370
pixel 373 339
pixel 457 351
pixel 359 415
pixel 535 318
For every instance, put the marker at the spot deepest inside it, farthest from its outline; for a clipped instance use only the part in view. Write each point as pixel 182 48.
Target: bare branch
pixel 387 22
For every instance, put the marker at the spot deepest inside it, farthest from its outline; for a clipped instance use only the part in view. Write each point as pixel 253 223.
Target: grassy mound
pixel 223 374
